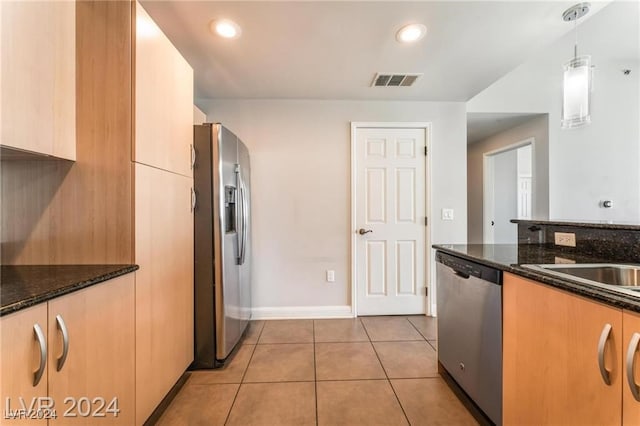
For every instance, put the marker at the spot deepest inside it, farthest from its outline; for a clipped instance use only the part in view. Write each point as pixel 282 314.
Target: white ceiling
pixel 332 49
pixel 482 125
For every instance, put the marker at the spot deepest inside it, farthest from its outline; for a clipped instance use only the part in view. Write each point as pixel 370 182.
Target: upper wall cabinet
pixel 38 77
pixel 163 100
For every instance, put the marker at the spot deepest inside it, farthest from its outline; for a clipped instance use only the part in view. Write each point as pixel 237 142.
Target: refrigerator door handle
pixel 245 220
pixel 239 215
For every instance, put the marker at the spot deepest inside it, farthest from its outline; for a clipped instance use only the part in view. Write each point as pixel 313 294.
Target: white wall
pixel 600 161
pixel 536 128
pixel 199 117
pixel 300 159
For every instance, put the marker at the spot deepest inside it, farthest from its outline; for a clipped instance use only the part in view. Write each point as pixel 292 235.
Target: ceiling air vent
pixel 394 80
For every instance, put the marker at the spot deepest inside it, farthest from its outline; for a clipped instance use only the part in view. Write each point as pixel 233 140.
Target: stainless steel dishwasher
pixel 469 297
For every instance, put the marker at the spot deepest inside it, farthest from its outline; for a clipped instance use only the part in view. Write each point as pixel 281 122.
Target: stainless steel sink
pixel 623 278
pixel 604 273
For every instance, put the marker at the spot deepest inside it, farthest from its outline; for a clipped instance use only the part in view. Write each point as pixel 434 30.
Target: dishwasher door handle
pixel 461 274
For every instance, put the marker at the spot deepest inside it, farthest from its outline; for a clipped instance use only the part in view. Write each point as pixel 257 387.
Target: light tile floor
pixel 363 371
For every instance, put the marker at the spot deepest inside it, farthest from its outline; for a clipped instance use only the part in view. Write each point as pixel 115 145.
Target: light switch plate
pixel 447 214
pixel 331 276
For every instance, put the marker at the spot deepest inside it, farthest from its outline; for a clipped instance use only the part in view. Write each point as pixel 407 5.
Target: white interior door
pixel 508 191
pixel 390 170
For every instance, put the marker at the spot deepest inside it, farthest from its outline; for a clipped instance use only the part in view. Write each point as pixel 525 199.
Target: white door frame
pixel 488 183
pixel 429 259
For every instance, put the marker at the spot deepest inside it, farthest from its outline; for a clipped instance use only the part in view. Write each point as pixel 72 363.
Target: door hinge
pixel 426 221
pixel 426 150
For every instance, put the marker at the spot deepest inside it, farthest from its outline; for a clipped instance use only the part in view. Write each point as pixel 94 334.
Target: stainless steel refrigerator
pixel 222 238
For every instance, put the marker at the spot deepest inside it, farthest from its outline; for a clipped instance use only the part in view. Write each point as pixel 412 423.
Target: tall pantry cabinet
pixel 162 154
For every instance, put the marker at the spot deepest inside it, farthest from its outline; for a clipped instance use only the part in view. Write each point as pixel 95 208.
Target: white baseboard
pixel 302 312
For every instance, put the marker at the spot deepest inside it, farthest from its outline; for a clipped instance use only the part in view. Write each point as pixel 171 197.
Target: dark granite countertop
pixel 511 257
pixel 623 226
pixel 27 285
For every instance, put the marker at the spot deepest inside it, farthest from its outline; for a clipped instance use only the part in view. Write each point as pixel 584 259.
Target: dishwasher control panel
pixel 469 268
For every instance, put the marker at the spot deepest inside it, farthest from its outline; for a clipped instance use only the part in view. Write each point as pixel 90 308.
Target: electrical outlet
pixel 447 214
pixel 567 239
pixel 331 276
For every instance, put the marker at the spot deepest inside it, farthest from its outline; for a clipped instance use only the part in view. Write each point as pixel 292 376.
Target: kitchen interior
pixel 310 212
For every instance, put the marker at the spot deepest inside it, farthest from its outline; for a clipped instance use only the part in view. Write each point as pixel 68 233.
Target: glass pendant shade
pixel 576 102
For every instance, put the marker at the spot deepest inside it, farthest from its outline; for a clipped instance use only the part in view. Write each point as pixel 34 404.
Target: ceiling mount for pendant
pixel 576 12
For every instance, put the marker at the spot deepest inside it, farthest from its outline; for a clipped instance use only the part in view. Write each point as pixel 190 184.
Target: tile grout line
pixel 344 341
pixel 385 371
pixel 226 420
pixel 315 372
pixel 423 336
pixel 418 330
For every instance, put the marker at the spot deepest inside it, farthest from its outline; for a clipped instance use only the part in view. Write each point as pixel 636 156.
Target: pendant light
pixel 576 99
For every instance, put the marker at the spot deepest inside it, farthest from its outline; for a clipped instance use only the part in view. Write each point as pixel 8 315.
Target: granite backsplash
pixel 618 242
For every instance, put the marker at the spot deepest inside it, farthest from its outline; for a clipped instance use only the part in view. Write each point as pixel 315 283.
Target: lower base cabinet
pixel 631 396
pixel 551 359
pixel 565 358
pixel 100 365
pixel 89 382
pixel 19 361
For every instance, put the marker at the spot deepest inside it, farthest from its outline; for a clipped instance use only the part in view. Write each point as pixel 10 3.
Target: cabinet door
pixel 38 66
pixel 163 100
pixel 100 360
pixel 550 357
pixel 164 284
pixel 631 405
pixel 19 359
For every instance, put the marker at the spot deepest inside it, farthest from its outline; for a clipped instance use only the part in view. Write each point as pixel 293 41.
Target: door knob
pixel 363 231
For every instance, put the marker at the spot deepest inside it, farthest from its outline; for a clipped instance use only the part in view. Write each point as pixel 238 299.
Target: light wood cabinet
pixel 163 100
pixel 100 361
pixel 38 64
pixel 164 284
pixel 551 371
pixel 135 130
pixel 19 359
pixel 630 405
pixel 99 322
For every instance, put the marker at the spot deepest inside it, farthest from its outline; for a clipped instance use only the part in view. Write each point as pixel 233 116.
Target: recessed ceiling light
pixel 225 28
pixel 410 33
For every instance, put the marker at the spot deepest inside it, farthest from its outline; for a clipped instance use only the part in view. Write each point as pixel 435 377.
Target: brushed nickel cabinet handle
pixel 193 156
pixel 631 365
pixel 65 342
pixel 194 199
pixel 604 336
pixel 43 354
